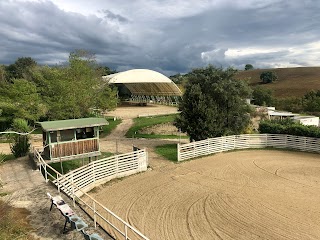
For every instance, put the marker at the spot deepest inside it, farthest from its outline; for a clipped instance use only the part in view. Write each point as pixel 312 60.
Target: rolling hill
pixel 292 82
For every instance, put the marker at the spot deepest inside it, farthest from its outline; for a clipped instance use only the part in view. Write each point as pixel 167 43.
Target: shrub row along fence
pixel 76 184
pixel 234 142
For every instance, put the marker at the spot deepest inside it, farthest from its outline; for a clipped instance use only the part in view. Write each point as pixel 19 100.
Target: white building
pixel 307 120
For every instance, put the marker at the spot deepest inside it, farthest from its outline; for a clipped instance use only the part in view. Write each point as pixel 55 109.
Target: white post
pixel 45 173
pixel 73 198
pixel 94 214
pixel 178 152
pixel 194 149
pixel 126 232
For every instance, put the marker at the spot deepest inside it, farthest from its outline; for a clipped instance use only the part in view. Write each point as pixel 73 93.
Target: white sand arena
pixel 259 194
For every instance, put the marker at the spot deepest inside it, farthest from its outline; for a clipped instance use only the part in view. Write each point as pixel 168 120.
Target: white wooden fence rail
pixel 76 184
pixel 222 144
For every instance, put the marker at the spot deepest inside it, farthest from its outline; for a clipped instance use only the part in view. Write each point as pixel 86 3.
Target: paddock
pixel 250 194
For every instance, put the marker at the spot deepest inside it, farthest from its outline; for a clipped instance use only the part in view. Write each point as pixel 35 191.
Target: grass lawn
pixel 143 122
pixel 106 130
pixel 168 151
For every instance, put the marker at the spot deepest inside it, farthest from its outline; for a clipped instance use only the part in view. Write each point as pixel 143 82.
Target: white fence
pixel 222 144
pixel 76 184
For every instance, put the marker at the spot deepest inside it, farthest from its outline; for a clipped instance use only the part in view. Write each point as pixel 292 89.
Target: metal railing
pixel 245 141
pixel 100 214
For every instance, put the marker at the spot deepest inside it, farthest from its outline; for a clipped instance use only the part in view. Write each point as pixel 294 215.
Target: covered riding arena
pixel 250 194
pixel 146 86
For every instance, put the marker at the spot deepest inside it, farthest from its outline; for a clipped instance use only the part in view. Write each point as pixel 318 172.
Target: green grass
pixel 6 157
pixel 143 122
pixel 168 151
pixel 76 163
pixel 106 130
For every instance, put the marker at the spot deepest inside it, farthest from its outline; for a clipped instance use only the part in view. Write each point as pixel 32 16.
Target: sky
pixel 169 36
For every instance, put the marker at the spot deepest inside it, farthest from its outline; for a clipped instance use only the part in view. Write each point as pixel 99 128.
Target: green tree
pixel 248 67
pixel 268 77
pixel 72 91
pixel 213 104
pixel 311 101
pixel 20 99
pixel 262 96
pixel 20 68
pixel 20 143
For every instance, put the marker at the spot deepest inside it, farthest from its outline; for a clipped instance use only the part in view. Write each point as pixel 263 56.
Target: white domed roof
pixel 145 82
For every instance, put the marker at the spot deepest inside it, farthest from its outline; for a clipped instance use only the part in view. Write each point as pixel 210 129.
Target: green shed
pixel 72 138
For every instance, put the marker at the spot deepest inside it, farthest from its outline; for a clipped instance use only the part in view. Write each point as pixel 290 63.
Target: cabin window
pixel 67 135
pixel 84 133
pixel 53 137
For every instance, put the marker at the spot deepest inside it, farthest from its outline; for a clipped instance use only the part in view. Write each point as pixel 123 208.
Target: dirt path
pixel 26 188
pixel 260 194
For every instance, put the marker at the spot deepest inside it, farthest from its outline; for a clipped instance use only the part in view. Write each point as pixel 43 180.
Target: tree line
pixel 72 90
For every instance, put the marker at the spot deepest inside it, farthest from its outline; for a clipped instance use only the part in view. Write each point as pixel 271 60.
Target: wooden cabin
pixel 71 139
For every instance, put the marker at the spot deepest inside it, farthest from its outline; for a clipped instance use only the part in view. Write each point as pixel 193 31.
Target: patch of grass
pixel 143 122
pixel 76 163
pixel 168 151
pixel 6 157
pixel 106 130
pixel 5 140
pixel 14 223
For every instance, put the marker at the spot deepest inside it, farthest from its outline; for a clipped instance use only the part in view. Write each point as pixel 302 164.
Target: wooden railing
pixel 71 148
pixel 227 143
pixel 76 184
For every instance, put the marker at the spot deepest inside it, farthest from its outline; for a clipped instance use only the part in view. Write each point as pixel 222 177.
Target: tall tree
pixel 20 99
pixel 262 96
pixel 213 104
pixel 20 68
pixel 72 91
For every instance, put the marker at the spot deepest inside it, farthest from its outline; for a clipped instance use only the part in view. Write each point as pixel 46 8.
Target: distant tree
pixel 262 96
pixel 248 67
pixel 311 101
pixel 213 104
pixel 268 77
pixel 20 68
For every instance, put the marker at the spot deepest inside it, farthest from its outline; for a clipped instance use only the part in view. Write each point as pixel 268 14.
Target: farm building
pixel 146 86
pixel 273 114
pixel 71 139
pixel 307 120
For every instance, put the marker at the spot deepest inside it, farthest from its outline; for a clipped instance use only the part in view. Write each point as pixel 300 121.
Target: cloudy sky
pixel 169 36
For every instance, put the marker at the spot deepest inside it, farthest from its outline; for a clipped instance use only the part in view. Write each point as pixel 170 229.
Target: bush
pixel 20 143
pixel 288 127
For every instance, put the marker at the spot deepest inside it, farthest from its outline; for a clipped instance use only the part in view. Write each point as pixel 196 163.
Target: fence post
pixel 126 231
pixel 194 149
pixel 178 152
pixel 72 183
pixel 117 165
pixel 93 173
pixel 94 214
pixel 45 173
pixel 208 146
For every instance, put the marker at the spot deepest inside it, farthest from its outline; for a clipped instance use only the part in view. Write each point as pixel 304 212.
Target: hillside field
pixel 292 82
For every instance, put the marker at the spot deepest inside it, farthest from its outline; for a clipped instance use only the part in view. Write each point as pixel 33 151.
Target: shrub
pixel 288 127
pixel 20 143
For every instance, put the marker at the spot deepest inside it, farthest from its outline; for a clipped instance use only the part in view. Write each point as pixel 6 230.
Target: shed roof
pixel 72 124
pixel 145 82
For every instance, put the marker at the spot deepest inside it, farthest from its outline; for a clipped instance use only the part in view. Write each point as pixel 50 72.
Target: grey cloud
pixel 45 32
pixel 111 15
